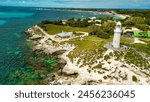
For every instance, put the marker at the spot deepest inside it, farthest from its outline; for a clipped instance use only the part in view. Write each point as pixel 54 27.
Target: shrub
pixel 134 78
pixel 132 21
pixel 103 31
pixel 105 77
pixel 107 57
pixel 78 22
pixel 143 27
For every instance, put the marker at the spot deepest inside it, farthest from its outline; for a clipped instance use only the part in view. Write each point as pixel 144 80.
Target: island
pixel 94 51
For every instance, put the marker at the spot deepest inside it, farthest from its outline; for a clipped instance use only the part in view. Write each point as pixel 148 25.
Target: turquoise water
pixel 14 14
pixel 14 50
pixel 2 22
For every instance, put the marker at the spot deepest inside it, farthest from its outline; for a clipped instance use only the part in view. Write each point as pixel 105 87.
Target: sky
pixel 138 4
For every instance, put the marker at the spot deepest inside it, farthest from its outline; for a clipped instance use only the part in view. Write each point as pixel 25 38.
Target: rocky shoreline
pixel 39 50
pixel 67 73
pixel 40 47
pixel 70 73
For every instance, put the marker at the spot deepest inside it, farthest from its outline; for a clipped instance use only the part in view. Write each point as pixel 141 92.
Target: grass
pixel 145 48
pixel 142 47
pixel 131 57
pixel 78 34
pixel 88 50
pixel 126 40
pixel 54 29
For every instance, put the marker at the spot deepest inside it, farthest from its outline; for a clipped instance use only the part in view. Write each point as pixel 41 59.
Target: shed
pixel 65 34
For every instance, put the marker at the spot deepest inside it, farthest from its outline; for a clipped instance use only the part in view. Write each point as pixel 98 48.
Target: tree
pixel 78 23
pixel 108 27
pixel 103 31
pixel 147 21
pixel 132 21
pixel 143 27
pixel 103 34
pixel 94 30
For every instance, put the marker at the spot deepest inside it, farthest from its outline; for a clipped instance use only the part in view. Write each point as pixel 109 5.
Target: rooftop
pixel 65 34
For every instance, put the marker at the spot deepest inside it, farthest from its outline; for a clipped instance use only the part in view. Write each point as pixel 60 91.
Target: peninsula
pixel 96 51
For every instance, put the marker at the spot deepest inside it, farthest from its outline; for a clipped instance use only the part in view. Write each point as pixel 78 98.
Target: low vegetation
pixel 78 22
pixel 91 48
pixel 139 18
pixel 103 31
pixel 88 50
pixel 134 78
pixel 132 57
pixel 142 48
pixel 135 13
pixel 138 22
pixel 54 29
pixel 37 31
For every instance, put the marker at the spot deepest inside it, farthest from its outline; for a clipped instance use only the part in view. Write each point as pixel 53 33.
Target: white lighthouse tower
pixel 117 35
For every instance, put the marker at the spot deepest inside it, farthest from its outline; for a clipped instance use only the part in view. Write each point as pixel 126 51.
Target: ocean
pixel 14 49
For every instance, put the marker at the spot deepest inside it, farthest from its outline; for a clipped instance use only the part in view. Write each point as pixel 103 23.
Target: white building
pixel 92 18
pixel 98 21
pixel 117 35
pixel 65 34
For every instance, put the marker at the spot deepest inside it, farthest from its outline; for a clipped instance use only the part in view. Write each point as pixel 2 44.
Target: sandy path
pixel 136 40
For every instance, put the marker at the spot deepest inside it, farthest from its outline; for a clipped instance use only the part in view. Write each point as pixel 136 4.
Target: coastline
pixel 105 12
pixel 72 74
pixel 111 13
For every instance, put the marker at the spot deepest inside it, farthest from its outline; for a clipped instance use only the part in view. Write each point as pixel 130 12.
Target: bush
pixel 143 27
pixel 78 23
pixel 134 78
pixel 105 77
pixel 107 57
pixel 59 22
pixel 132 21
pixel 147 21
pixel 103 31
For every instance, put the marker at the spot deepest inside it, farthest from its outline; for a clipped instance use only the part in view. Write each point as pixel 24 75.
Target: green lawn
pixel 54 29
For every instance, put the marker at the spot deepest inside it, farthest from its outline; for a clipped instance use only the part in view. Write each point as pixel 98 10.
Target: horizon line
pixel 77 7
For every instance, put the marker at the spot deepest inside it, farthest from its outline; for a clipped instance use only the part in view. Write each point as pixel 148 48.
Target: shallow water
pixel 14 50
pixel 2 22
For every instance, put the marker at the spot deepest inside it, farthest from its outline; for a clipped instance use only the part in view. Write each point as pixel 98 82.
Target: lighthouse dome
pixel 119 23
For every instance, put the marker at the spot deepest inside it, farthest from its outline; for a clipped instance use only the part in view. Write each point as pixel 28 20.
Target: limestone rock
pixel 60 52
pixel 69 71
pixel 35 37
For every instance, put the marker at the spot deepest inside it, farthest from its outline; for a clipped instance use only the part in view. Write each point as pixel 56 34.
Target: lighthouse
pixel 117 35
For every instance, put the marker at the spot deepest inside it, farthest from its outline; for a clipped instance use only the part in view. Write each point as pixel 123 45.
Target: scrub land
pixel 81 56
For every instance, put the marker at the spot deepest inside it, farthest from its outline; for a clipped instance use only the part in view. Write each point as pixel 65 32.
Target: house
pixel 92 18
pixel 98 21
pixel 65 35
